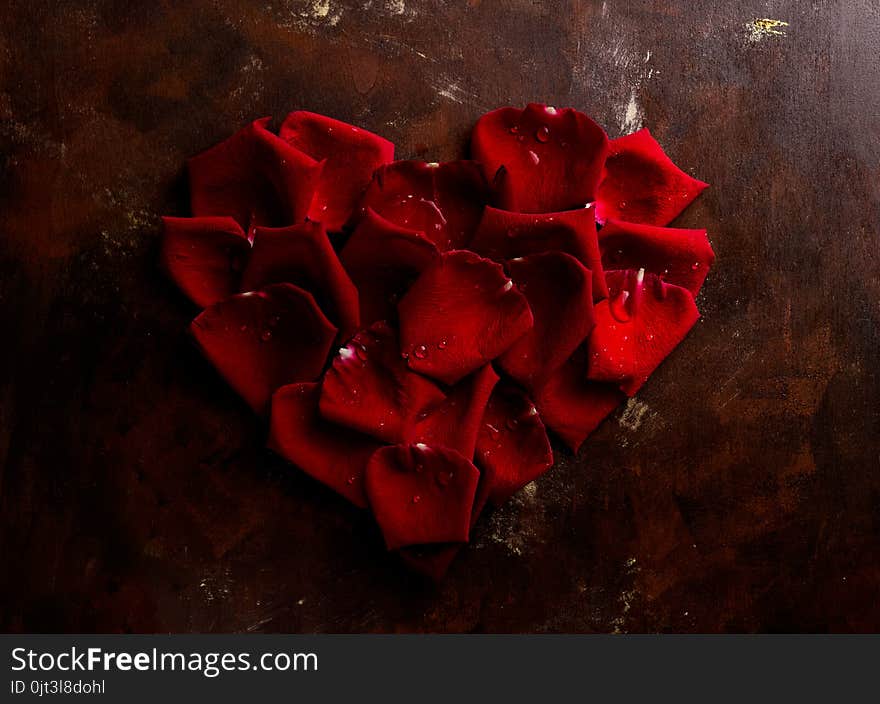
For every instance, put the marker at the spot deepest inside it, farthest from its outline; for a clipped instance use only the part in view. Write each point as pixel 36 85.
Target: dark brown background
pixel 739 491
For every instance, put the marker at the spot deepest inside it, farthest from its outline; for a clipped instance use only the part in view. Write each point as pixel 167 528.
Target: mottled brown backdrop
pixel 739 491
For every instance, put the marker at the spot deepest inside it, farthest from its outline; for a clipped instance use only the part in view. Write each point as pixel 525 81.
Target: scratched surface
pixel 740 491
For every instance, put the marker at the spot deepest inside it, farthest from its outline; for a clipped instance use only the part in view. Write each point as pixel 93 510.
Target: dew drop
pixel 416 498
pixel 266 335
pixel 514 129
pixel 543 134
pixel 695 266
pixel 243 328
pixel 535 158
pixel 511 423
pixel 420 352
pixel 441 345
pixel 350 480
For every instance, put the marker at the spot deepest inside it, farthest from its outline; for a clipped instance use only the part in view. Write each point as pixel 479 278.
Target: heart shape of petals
pixel 262 340
pixel 469 330
pixel 442 201
pixel 461 313
pixel 302 255
pixel 421 495
pixel 641 322
pixel 204 256
pixel 540 159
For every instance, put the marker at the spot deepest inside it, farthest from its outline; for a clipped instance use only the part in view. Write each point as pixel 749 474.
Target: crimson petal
pixel 255 177
pixel 421 494
pixel 513 448
pixel 444 201
pixel 370 388
pixel 680 257
pixel 461 313
pixel 302 255
pixel 552 159
pixel 503 234
pixel 558 290
pixel 204 256
pixel 333 455
pixel 262 340
pixel 455 423
pixel 641 322
pixel 350 156
pixel 571 405
pixel 383 260
pixel 641 183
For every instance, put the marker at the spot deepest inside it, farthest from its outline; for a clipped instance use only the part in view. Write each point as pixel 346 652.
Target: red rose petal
pixel 680 257
pixel 370 388
pixel 552 158
pixel 255 177
pixel 302 255
pixel 455 423
pixel 262 340
pixel 444 201
pixel 461 313
pixel 641 183
pixel 571 405
pixel 641 322
pixel 333 455
pixel 383 260
pixel 350 156
pixel 512 448
pixel 558 290
pixel 421 494
pixel 204 256
pixel 505 235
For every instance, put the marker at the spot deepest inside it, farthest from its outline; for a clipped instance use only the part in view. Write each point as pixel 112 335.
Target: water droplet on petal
pixel 243 328
pixel 543 134
pixel 695 266
pixel 511 423
pixel 514 129
pixel 416 499
pixel 535 158
pixel 441 345
pixel 266 335
pixel 420 352
pixel 350 480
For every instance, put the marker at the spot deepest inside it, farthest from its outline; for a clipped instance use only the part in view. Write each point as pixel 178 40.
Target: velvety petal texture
pixel 262 340
pixel 204 256
pixel 540 159
pixel 641 183
pixel 461 313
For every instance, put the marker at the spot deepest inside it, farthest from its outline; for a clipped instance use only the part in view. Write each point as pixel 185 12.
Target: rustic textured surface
pixel 739 491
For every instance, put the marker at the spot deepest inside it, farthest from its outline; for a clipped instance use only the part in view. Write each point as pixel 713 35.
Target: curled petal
pixel 455 423
pixel 640 323
pixel 552 159
pixel 461 313
pixel 350 155
pixel 302 255
pixel 678 256
pixel 383 260
pixel 641 183
pixel 503 234
pixel 512 448
pixel 204 256
pixel 333 455
pixel 559 292
pixel 255 177
pixel 443 201
pixel 571 405
pixel 370 388
pixel 262 340
pixel 421 494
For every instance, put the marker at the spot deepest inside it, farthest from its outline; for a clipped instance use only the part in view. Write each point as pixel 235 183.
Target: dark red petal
pixel 302 255
pixel 263 340
pixel 333 455
pixel 370 388
pixel 461 313
pixel 444 201
pixel 455 423
pixel 513 448
pixel 421 494
pixel 204 256
pixel 505 235
pixel 641 322
pixel 571 405
pixel 641 183
pixel 680 257
pixel 552 158
pixel 255 177
pixel 559 292
pixel 350 156
pixel 383 260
